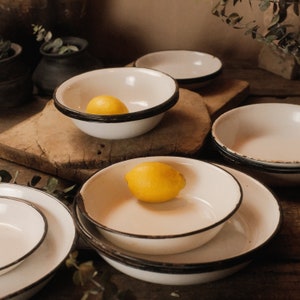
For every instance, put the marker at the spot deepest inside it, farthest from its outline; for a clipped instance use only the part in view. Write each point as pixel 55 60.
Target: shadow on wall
pixel 119 31
pixel 112 42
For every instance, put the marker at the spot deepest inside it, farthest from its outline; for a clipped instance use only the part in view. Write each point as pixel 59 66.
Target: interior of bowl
pixel 19 236
pixel 264 133
pixel 141 90
pixel 210 197
pixel 182 64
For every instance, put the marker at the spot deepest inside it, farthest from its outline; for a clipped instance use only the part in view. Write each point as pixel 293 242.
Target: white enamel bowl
pixel 148 94
pixel 22 230
pixel 211 196
pixel 243 238
pixel 191 69
pixel 37 269
pixel 263 139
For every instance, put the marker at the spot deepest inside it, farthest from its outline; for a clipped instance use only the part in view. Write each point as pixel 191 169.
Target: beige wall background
pixel 122 30
pixel 119 31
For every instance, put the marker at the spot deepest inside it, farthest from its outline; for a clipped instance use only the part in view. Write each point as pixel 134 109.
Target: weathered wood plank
pixel 50 142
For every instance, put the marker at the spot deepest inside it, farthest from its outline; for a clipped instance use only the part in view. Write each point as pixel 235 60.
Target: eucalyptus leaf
pixel 264 4
pixel 86 272
pixel 275 20
pixel 48 36
pixel 279 34
pixel 55 46
pixel 52 184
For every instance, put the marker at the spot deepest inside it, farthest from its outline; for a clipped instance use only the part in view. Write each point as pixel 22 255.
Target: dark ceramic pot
pixel 53 68
pixel 15 79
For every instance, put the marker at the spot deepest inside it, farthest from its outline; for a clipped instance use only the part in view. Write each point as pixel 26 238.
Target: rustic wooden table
pixel 275 274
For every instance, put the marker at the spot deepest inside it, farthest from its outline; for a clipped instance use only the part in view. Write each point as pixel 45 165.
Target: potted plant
pixel 15 75
pixel 281 51
pixel 62 58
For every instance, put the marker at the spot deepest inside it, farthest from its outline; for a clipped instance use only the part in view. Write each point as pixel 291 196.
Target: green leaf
pixel 264 5
pixel 69 189
pixel 270 38
pixel 48 36
pixel 275 20
pixel 85 273
pixel 52 184
pixel 71 261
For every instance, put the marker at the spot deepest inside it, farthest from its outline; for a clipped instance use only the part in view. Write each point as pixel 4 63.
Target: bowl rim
pixel 271 166
pixel 78 199
pixel 58 215
pixel 109 250
pixel 257 165
pixel 40 239
pixel 127 117
pixel 185 80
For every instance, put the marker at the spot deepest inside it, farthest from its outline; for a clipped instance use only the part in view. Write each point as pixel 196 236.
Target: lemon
pixel 106 105
pixel 154 181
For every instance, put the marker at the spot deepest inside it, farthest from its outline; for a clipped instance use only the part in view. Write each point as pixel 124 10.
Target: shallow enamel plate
pixel 187 67
pixel 263 135
pixel 210 197
pixel 30 276
pixel 244 235
pixel 22 229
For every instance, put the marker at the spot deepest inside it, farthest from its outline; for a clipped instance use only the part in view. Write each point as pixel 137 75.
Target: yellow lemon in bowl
pixel 106 105
pixel 154 181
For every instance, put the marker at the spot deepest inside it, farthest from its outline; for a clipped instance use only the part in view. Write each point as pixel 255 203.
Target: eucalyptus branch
pixel 51 186
pixel 278 34
pixel 86 273
pixel 52 45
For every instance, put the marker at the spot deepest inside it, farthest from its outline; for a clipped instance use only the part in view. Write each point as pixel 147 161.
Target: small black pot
pixel 15 79
pixel 53 69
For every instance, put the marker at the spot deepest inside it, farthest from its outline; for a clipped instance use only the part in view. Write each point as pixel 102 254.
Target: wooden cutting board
pixel 40 137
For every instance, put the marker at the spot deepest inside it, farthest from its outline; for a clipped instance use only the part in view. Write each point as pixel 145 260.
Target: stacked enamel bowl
pixel 191 69
pixel 36 234
pixel 262 140
pixel 212 228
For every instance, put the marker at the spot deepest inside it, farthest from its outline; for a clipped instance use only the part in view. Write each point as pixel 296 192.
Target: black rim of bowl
pixel 133 116
pixel 200 79
pixel 261 166
pixel 79 200
pixel 239 158
pixel 192 80
pixel 115 253
pixel 40 240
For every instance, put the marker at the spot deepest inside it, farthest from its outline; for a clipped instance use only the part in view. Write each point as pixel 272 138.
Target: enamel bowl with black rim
pixel 264 139
pixel 191 69
pixel 148 95
pixel 242 239
pixel 195 216
pixel 37 269
pixel 23 228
